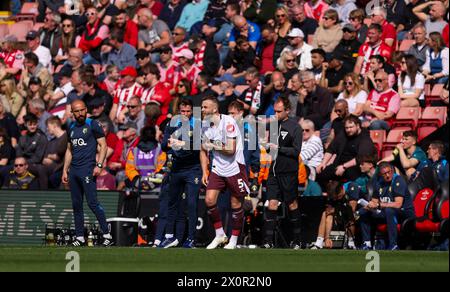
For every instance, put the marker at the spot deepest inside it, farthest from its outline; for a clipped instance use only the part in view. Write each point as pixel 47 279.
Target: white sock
pixel 351 242
pixel 107 236
pixel 319 241
pixel 368 243
pixel 157 242
pixel 233 240
pixel 220 232
pixel 80 238
pixel 168 236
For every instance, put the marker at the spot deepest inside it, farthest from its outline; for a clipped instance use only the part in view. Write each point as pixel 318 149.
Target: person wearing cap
pixel 90 42
pixel 34 45
pixel 12 57
pixel 343 8
pixel 155 91
pixel 333 74
pixel 143 58
pixel 329 33
pixel 128 88
pixel 301 49
pixel 117 52
pixel 186 68
pixel 348 47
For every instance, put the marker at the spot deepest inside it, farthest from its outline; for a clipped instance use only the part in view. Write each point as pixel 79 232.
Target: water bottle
pixel 90 241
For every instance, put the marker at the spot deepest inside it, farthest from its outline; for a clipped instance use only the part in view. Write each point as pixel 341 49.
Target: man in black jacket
pixel 340 160
pixel 282 184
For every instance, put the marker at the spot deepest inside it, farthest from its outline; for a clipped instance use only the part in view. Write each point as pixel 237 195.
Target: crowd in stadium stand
pixel 349 71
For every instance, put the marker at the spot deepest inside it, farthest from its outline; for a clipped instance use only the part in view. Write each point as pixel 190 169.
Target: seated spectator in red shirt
pixel 389 36
pixel 382 104
pixel 123 21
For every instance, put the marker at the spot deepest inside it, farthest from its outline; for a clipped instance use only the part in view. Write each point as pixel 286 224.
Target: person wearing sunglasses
pixel 348 47
pixel 382 104
pixel 354 94
pixel 394 203
pixel 301 50
pixel 19 178
pixel 329 33
pixel 50 33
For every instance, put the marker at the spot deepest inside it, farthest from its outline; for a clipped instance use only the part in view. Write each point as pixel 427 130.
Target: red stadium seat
pixel 433 94
pixel 3 30
pixel 425 131
pixel 378 138
pixel 407 118
pixel 405 45
pixel 29 11
pixel 20 29
pixel 433 116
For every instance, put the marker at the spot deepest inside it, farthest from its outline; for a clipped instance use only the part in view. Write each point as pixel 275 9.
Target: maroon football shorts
pixel 236 184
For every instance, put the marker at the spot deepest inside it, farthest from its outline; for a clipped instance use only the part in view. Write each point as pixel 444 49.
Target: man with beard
pixel 123 21
pixel 85 136
pixel 340 158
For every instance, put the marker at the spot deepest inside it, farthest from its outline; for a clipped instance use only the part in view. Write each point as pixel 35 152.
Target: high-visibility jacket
pixel 144 163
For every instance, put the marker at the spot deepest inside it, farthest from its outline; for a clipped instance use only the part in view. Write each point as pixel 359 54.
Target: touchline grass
pixel 200 260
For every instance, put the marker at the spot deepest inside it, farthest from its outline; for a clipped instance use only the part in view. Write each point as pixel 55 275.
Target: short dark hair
pixel 151 68
pixel 367 158
pixel 211 98
pixel 377 27
pixel 237 105
pixel 320 52
pixel 185 102
pixel 286 102
pixel 32 57
pixel 384 164
pixel 352 119
pixel 334 189
pixel 410 134
pixel 206 77
pixel 235 7
pixel 118 35
pixel 379 58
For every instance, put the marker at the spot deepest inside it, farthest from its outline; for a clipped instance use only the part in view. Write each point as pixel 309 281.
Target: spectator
pixel 222 36
pixel 37 107
pixel 306 24
pixel 259 11
pixel 186 69
pixel 135 113
pixel 301 50
pixel 179 42
pixel 182 91
pixel 122 21
pixel 343 8
pixel 155 91
pixel 112 77
pixel 228 95
pixel 274 90
pixel 294 86
pixel 315 102
pixel 167 68
pixel 192 13
pixel 117 52
pixel 434 20
pixel 53 5
pixel 436 65
pixel 32 68
pixel 316 9
pixel 6 149
pixel 92 91
pixel 420 47
pixel 171 12
pixel 13 57
pixel 394 202
pixel 373 46
pixel 333 74
pixel 43 53
pixel 20 178
pixel 340 112
pixel 340 158
pixel 203 89
pixel 437 160
pixel 354 94
pixel 356 18
pixel 205 54
pixel 329 33
pixel 378 64
pixel 348 47
pixel 245 28
pixel 76 93
pixel 239 59
pixel 50 33
pixel 154 33
pixel 382 104
pixel 411 83
pixel 155 6
pixel 91 40
pixel 410 18
pixel 32 145
pixel 128 88
pixel 266 59
pixel 34 91
pixel 9 91
pixel 251 97
pixel 288 65
pixel 312 149
pixel 111 138
pixel 282 28
pixel 318 62
pixel 106 11
pixel 389 35
pixel 67 41
pixel 74 62
pixel 396 14
pixel 407 156
pixel 143 58
pixel 213 19
pixel 59 96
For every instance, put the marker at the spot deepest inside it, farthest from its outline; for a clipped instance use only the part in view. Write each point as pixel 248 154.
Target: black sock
pixel 294 217
pixel 269 225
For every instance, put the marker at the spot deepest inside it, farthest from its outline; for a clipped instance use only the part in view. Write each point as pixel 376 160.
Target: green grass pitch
pixel 201 260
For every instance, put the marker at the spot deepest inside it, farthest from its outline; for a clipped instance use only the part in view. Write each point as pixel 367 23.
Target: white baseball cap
pixel 296 33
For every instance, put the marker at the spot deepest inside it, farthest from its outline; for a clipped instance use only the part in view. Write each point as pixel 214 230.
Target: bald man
pixel 434 20
pixel 243 27
pixel 81 169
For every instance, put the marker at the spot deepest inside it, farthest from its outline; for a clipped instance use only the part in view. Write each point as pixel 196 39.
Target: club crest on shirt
pixel 85 130
pixel 230 128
